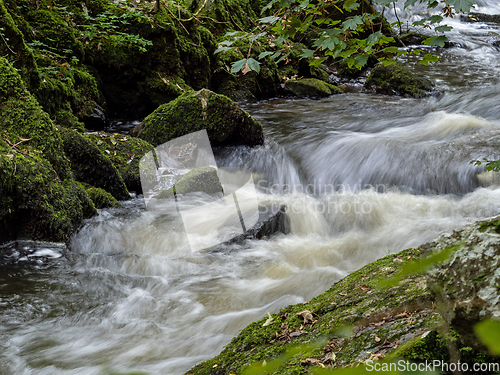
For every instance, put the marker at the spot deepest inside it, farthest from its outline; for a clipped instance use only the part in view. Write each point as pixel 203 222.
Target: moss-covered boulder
pixel 398 80
pixel 466 284
pixel 22 118
pixel 311 88
pixel 224 121
pixel 125 152
pixel 35 203
pixel 201 179
pixel 91 166
pixel 100 197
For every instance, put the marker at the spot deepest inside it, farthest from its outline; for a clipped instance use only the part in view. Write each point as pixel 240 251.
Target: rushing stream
pixel 384 174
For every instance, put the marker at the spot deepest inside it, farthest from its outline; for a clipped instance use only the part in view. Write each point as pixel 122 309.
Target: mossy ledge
pixel 401 322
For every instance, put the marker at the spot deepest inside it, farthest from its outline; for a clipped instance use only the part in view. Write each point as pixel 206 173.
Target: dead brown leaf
pixel 307 315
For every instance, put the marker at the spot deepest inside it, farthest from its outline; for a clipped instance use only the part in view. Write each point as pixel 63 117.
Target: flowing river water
pixel 127 295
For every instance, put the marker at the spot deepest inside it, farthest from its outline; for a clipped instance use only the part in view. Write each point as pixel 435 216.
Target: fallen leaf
pixel 307 315
pixel 269 320
pixel 343 293
pixel 377 339
pixel 364 287
pixel 113 141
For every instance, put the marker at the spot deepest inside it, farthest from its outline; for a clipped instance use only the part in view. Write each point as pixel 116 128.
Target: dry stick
pixel 180 23
pixel 15 53
pixel 196 14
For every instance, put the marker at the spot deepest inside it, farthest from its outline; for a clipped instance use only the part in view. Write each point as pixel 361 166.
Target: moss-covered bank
pixel 401 322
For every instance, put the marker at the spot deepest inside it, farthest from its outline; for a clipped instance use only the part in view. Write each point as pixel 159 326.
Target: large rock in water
pixel 125 153
pixel 466 285
pixel 395 79
pixel 91 166
pixel 225 122
pixel 311 88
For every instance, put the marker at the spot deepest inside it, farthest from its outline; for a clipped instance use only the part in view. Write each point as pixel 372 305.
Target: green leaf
pixel 306 53
pixel 283 57
pixel 443 28
pixel 271 19
pixel 253 65
pixel 410 3
pixel 391 49
pixel 264 54
pixel 223 49
pixel 428 58
pixel 461 5
pixel 435 19
pixel 488 332
pixel 360 60
pixel 352 23
pixel 384 2
pixel 351 7
pixel 436 41
pixel 238 65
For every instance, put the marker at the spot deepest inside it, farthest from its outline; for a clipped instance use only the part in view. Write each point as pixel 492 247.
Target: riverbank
pixel 384 312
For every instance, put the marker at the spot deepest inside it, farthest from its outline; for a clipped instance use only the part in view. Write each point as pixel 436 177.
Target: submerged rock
pixel 272 220
pixel 397 80
pixel 466 284
pixel 481 17
pixel 224 121
pixel 311 88
pixel 201 179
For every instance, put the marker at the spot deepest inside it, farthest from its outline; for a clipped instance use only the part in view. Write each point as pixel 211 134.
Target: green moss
pixel 164 88
pixel 396 79
pixel 67 119
pixel 14 47
pixel 91 166
pixel 100 197
pixel 319 73
pixel 34 202
pixel 224 121
pixel 353 301
pixel 22 116
pixel 72 90
pixel 490 224
pixel 125 152
pixel 311 87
